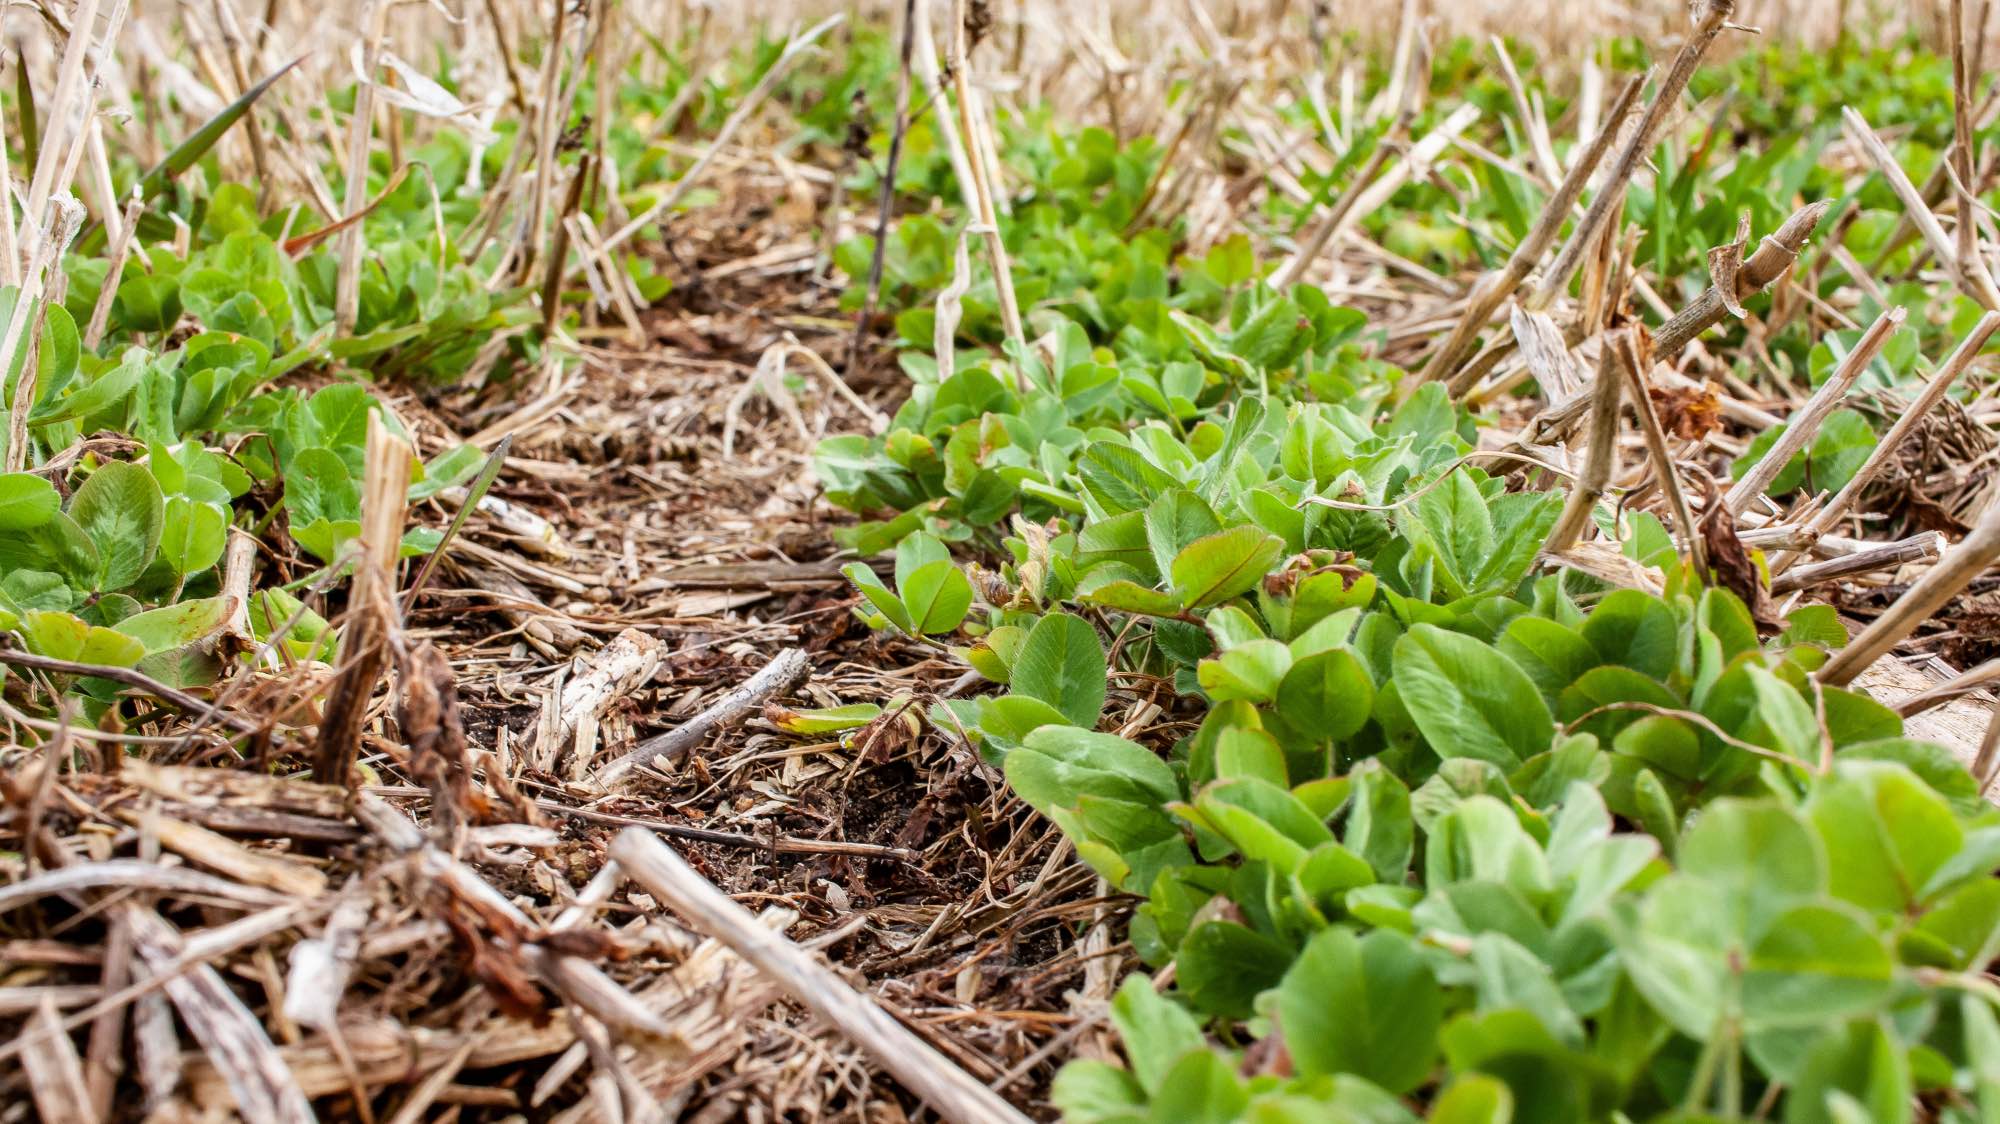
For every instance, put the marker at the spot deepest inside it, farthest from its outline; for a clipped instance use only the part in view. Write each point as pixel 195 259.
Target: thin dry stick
pixel 886 204
pixel 950 1092
pixel 1602 454
pixel 1906 423
pixel 1632 363
pixel 1487 299
pixel 68 72
pixel 1917 548
pixel 371 603
pixel 121 248
pixel 1316 242
pixel 1804 425
pixel 1977 282
pixel 1713 18
pixel 1988 760
pixel 1967 249
pixel 44 271
pixel 1773 259
pixel 1960 565
pixel 347 286
pixel 983 181
pixel 924 59
pixel 749 105
pixel 777 678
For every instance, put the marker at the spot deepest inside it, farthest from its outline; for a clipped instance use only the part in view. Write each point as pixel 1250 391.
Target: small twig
pixel 886 192
pixel 1803 426
pixel 1917 548
pixel 1611 193
pixel 1958 686
pixel 1480 306
pixel 1633 361
pixel 948 1090
pixel 1960 565
pixel 784 673
pixel 1906 422
pixel 1602 451
pixel 371 604
pixel 131 677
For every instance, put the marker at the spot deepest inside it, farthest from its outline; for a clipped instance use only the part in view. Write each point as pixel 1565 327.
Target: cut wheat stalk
pixel 1601 455
pixel 371 603
pixel 1926 547
pixel 1710 18
pixel 360 128
pixel 1804 425
pixel 1972 275
pixel 949 1091
pixel 1905 424
pixel 1488 297
pixel 984 181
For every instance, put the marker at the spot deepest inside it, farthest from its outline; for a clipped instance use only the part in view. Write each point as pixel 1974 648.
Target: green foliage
pixel 1450 835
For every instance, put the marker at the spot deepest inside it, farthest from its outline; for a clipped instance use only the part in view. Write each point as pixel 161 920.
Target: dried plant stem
pixel 1803 426
pixel 371 603
pixel 950 1092
pixel 1962 563
pixel 796 47
pixel 1601 455
pixel 44 273
pixel 1714 16
pixel 886 203
pixel 983 181
pixel 1988 761
pixel 1773 259
pixel 68 73
pixel 121 248
pixel 1632 363
pixel 1905 424
pixel 924 59
pixel 1876 556
pixel 1485 300
pixel 777 678
pixel 1972 275
pixel 1315 243
pixel 360 126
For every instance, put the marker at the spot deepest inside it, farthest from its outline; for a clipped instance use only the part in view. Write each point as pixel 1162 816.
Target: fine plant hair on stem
pixel 1962 563
pixel 886 207
pixel 1713 18
pixel 1804 425
pixel 1488 297
pixel 1905 424
pixel 1633 362
pixel 1602 453
pixel 959 62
